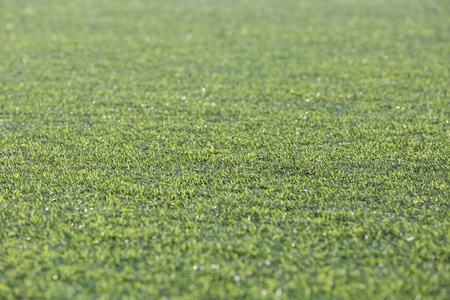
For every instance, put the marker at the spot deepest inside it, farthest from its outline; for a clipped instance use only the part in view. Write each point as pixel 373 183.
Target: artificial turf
pixel 225 149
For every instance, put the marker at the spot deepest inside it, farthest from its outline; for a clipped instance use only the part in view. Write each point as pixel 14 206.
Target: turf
pixel 225 149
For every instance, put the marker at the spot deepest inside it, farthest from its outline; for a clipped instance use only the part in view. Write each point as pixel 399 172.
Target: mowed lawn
pixel 225 149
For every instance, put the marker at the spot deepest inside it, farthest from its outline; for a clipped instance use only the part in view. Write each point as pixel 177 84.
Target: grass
pixel 225 149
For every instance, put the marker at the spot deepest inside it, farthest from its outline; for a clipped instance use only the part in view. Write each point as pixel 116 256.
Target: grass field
pixel 225 149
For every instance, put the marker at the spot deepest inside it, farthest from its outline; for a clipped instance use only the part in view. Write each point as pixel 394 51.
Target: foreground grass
pixel 218 149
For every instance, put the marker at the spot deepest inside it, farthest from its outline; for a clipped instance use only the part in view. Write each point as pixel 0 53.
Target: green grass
pixel 225 149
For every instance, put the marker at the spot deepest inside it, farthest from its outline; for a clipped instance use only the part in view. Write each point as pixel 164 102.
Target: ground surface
pixel 218 149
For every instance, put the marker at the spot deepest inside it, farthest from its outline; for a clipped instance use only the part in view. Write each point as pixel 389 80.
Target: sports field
pixel 225 149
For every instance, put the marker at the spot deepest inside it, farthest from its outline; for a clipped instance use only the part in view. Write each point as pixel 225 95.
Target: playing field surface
pixel 225 149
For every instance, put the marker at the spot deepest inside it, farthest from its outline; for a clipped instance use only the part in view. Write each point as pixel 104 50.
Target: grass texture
pixel 225 149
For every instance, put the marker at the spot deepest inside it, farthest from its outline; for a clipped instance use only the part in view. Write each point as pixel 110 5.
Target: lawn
pixel 207 149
